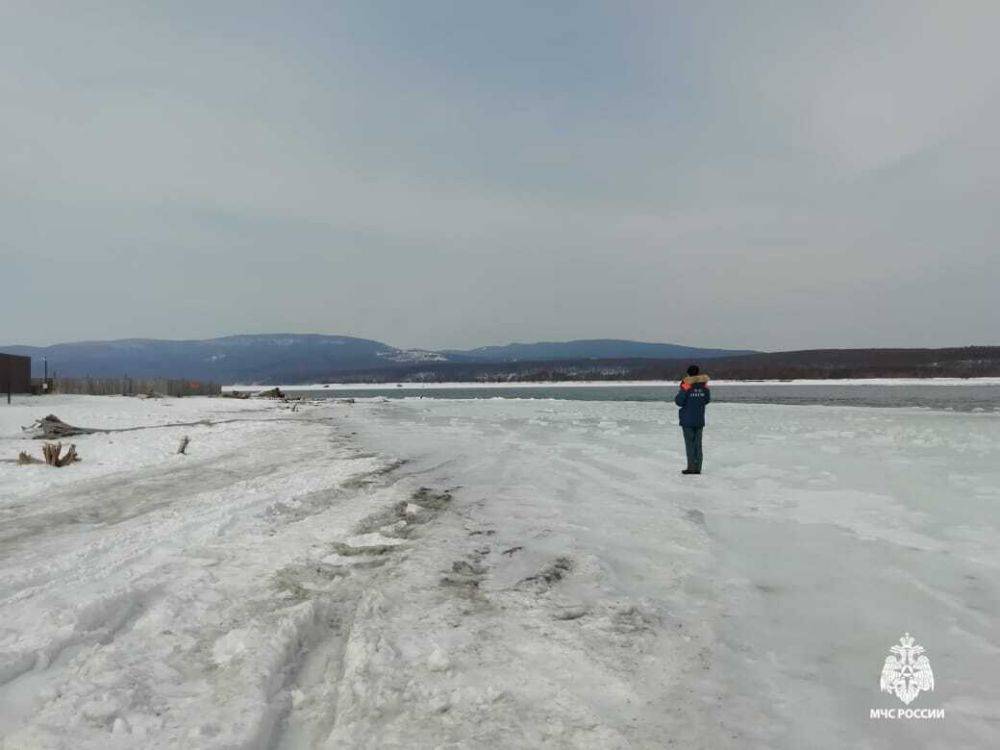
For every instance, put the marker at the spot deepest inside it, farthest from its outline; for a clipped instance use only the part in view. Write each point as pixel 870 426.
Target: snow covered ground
pixel 496 573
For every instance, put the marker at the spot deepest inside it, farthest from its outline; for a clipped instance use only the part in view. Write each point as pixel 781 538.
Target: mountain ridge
pixel 296 357
pixel 315 358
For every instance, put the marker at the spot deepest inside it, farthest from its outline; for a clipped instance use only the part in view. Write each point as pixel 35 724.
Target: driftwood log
pixel 53 428
pixel 270 393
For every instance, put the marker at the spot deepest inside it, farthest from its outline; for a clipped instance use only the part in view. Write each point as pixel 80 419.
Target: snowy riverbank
pixel 555 583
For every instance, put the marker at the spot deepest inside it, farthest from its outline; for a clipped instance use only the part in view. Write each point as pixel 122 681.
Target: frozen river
pixel 767 591
pixel 497 573
pixel 952 395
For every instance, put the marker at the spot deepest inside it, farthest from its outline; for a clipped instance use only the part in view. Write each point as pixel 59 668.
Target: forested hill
pixel 299 358
pixel 966 362
pixel 296 358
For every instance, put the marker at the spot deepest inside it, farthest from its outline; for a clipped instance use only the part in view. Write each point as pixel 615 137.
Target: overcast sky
pixel 772 175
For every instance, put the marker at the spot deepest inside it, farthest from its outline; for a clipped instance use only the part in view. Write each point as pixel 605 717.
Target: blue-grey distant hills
pixel 226 359
pixel 294 358
pixel 312 358
pixel 551 351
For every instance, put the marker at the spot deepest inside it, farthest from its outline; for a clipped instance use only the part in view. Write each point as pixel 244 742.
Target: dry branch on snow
pixel 53 455
pixel 53 428
pixel 52 452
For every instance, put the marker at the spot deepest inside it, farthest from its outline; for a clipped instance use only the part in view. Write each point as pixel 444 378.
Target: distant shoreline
pixel 987 381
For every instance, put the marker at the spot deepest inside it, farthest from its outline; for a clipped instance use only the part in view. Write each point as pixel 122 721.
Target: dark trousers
pixel 692 444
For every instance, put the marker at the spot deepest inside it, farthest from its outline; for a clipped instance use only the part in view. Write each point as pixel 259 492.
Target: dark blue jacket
pixel 693 403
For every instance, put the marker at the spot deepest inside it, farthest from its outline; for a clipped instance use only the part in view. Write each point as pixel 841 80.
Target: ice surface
pixel 752 606
pixel 614 384
pixel 495 573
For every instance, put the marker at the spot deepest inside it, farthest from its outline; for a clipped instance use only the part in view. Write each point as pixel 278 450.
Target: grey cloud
pixel 771 175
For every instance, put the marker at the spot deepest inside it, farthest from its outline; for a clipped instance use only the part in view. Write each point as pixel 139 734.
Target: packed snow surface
pixel 495 573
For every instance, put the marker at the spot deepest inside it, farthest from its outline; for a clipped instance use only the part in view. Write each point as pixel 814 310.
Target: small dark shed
pixel 15 373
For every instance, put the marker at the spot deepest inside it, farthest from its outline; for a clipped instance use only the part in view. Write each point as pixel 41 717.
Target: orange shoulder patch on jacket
pixel 692 379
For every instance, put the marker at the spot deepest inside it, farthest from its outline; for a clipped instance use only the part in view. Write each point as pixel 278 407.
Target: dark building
pixel 15 373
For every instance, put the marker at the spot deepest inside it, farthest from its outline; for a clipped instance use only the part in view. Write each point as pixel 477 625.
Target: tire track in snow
pixel 122 496
pixel 125 521
pixel 115 499
pixel 40 548
pixel 309 700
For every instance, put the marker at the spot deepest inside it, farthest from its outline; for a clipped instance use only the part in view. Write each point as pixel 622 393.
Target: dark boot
pixel 689 471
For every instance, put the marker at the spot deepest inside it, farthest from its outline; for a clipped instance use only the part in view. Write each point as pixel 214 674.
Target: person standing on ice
pixel 693 397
